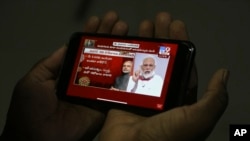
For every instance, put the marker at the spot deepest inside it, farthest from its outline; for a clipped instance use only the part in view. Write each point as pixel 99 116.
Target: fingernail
pixel 94 18
pixel 226 74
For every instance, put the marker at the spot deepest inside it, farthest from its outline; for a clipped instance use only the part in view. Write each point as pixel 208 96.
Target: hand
pixel 191 122
pixel 136 75
pixel 35 112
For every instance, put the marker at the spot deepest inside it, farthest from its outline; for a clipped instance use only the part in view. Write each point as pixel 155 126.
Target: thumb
pixel 207 111
pixel 196 121
pixel 215 99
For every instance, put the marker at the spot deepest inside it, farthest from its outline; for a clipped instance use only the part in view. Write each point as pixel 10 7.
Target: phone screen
pixel 142 68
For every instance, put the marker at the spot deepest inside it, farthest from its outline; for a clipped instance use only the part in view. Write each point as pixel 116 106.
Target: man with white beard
pixel 145 81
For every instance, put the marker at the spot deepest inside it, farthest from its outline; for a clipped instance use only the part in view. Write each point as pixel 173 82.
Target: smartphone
pixel 141 75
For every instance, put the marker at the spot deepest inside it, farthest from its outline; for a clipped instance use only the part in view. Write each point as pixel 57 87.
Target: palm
pixel 36 113
pixel 191 122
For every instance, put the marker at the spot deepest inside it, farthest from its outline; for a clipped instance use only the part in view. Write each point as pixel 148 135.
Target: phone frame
pixel 177 88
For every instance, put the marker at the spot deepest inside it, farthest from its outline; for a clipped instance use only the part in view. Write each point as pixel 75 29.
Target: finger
pixel 178 31
pixel 108 22
pixel 92 24
pixel 120 28
pixel 48 68
pixel 36 89
pixel 202 116
pixel 210 108
pixel 86 121
pixel 119 124
pixel 162 23
pixel 127 117
pixel 216 94
pixel 146 29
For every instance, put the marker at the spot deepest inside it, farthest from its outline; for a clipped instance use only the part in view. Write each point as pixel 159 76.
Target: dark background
pixel 32 29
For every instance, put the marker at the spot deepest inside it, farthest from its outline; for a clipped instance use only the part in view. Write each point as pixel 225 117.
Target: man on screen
pixel 145 81
pixel 121 82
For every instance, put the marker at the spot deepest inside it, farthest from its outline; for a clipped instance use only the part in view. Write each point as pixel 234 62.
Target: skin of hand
pixel 192 122
pixel 136 75
pixel 36 114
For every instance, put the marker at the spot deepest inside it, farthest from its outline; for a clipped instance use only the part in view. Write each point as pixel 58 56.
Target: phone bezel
pixel 177 87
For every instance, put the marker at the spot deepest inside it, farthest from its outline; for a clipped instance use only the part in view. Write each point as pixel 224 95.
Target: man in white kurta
pixel 150 87
pixel 145 81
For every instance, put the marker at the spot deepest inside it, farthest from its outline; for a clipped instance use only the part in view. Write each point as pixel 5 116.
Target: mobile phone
pixel 141 75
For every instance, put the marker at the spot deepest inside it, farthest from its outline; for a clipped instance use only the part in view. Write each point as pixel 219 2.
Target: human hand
pixel 35 112
pixel 194 121
pixel 136 75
